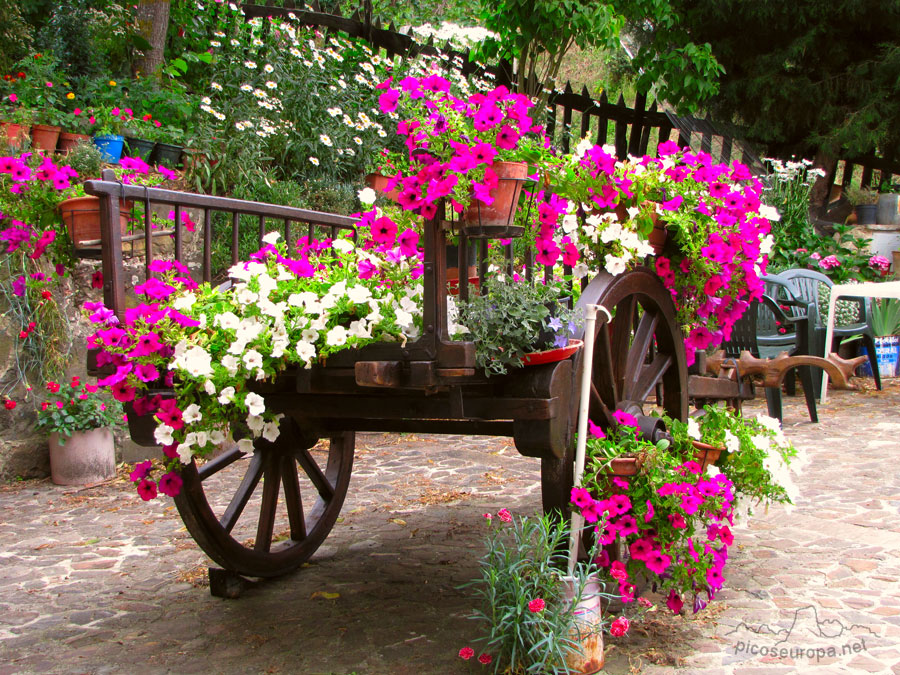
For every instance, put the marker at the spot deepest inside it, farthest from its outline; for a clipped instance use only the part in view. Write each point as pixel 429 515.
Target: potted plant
pixel 509 319
pixel 108 123
pixel 537 618
pixel 865 203
pixel 46 128
pixel 886 326
pixel 471 150
pixel 75 129
pixel 79 419
pixel 168 152
pixel 142 133
pixel 672 515
pixel 17 125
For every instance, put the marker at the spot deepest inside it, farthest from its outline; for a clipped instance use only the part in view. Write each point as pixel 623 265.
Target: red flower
pixel 23 334
pixel 9 405
pixel 52 387
pixel 485 659
pixel 466 653
pixel 97 279
pixel 147 489
pixel 504 515
pixel 619 627
pixel 536 605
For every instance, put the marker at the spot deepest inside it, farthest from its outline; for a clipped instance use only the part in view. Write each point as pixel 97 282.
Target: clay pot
pixel 706 454
pixel 378 182
pixel 15 134
pixel 84 457
pixel 658 234
pixel 44 137
pixel 81 216
pixel 68 141
pixel 496 220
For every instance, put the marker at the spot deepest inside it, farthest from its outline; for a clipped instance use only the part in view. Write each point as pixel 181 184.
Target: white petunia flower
pixel 336 337
pixel 366 196
pixel 226 395
pixel 255 424
pixel 216 437
pixel 227 320
pixel 245 445
pixel 231 364
pixel 342 245
pixel 253 359
pixel 209 387
pixel 693 429
pixel 272 238
pixel 163 434
pixel 256 405
pixel 192 414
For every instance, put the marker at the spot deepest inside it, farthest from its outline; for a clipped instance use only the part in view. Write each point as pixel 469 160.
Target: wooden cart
pixel 430 385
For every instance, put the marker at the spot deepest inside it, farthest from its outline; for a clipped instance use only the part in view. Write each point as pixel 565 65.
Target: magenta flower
pixel 504 515
pixel 674 602
pixel 537 605
pixel 466 653
pixel 141 471
pixel 170 484
pixel 147 489
pixel 619 627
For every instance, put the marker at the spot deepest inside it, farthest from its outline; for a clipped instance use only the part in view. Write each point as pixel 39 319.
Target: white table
pixel 887 289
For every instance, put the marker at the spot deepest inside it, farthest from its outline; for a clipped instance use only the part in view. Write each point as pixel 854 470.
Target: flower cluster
pixel 452 143
pixel 74 406
pixel 210 345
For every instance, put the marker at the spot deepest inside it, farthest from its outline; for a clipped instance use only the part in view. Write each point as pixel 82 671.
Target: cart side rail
pixel 294 223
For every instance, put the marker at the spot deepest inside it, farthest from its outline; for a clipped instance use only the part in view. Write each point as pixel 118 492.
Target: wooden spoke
pixel 621 339
pixel 266 524
pixel 245 545
pixel 602 376
pixel 244 491
pixel 292 498
pixel 598 410
pixel 637 354
pixel 323 485
pixel 650 376
pixel 216 464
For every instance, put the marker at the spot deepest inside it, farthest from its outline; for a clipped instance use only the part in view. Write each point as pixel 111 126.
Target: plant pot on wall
pixel 110 146
pixel 15 134
pixel 82 458
pixel 138 147
pixel 68 141
pixel 167 154
pixel 81 216
pixel 44 137
pixel 866 214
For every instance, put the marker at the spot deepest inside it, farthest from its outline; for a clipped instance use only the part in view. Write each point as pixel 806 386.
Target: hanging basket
pixel 497 219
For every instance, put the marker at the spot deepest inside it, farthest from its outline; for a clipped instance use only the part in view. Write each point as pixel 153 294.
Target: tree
pixel 153 23
pixel 803 77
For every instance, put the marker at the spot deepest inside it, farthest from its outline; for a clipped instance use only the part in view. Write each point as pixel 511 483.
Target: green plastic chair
pixel 805 284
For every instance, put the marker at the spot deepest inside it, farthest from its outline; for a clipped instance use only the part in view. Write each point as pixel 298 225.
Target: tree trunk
pixel 821 190
pixel 153 23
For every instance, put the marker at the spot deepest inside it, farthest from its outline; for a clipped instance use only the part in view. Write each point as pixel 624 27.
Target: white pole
pixel 590 320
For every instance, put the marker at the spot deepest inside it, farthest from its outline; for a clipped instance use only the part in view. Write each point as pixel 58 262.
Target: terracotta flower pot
pixel 68 141
pixel 44 137
pixel 81 216
pixel 658 234
pixel 15 134
pixel 706 454
pixel 496 220
pixel 84 457
pixel 378 182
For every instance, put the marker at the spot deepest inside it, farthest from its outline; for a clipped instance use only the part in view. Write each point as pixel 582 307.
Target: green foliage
pixel 15 35
pixel 525 560
pixel 72 406
pixel 886 316
pixel 846 312
pixel 803 75
pixel 511 318
pixel 861 196
pixel 86 159
pixel 538 33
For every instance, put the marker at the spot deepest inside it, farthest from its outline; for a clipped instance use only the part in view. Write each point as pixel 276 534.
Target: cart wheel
pixel 640 354
pixel 251 531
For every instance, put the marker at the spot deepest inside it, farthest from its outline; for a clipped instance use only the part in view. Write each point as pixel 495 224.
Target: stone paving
pixel 93 580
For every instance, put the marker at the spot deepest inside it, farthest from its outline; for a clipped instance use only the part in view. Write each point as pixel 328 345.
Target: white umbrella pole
pixel 590 320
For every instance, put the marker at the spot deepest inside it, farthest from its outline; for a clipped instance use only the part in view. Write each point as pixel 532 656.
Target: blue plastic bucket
pixel 110 147
pixel 887 353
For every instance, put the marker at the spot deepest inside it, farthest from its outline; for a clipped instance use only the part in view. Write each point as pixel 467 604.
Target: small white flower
pixel 732 443
pixel 693 429
pixel 268 68
pixel 163 434
pixel 231 364
pixel 271 431
pixel 342 245
pixel 192 414
pixel 256 405
pixel 250 64
pixel 309 335
pixel 209 387
pixel 336 337
pixel 256 424
pixel 272 238
pixel 226 395
pixel 252 359
pixel 216 437
pixel 245 445
pixel 366 196
pixel 306 351
pixel 271 85
pixel 184 453
pixel 314 161
pixel 325 139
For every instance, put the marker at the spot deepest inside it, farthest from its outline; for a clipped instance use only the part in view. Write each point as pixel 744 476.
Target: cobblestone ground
pixel 93 580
